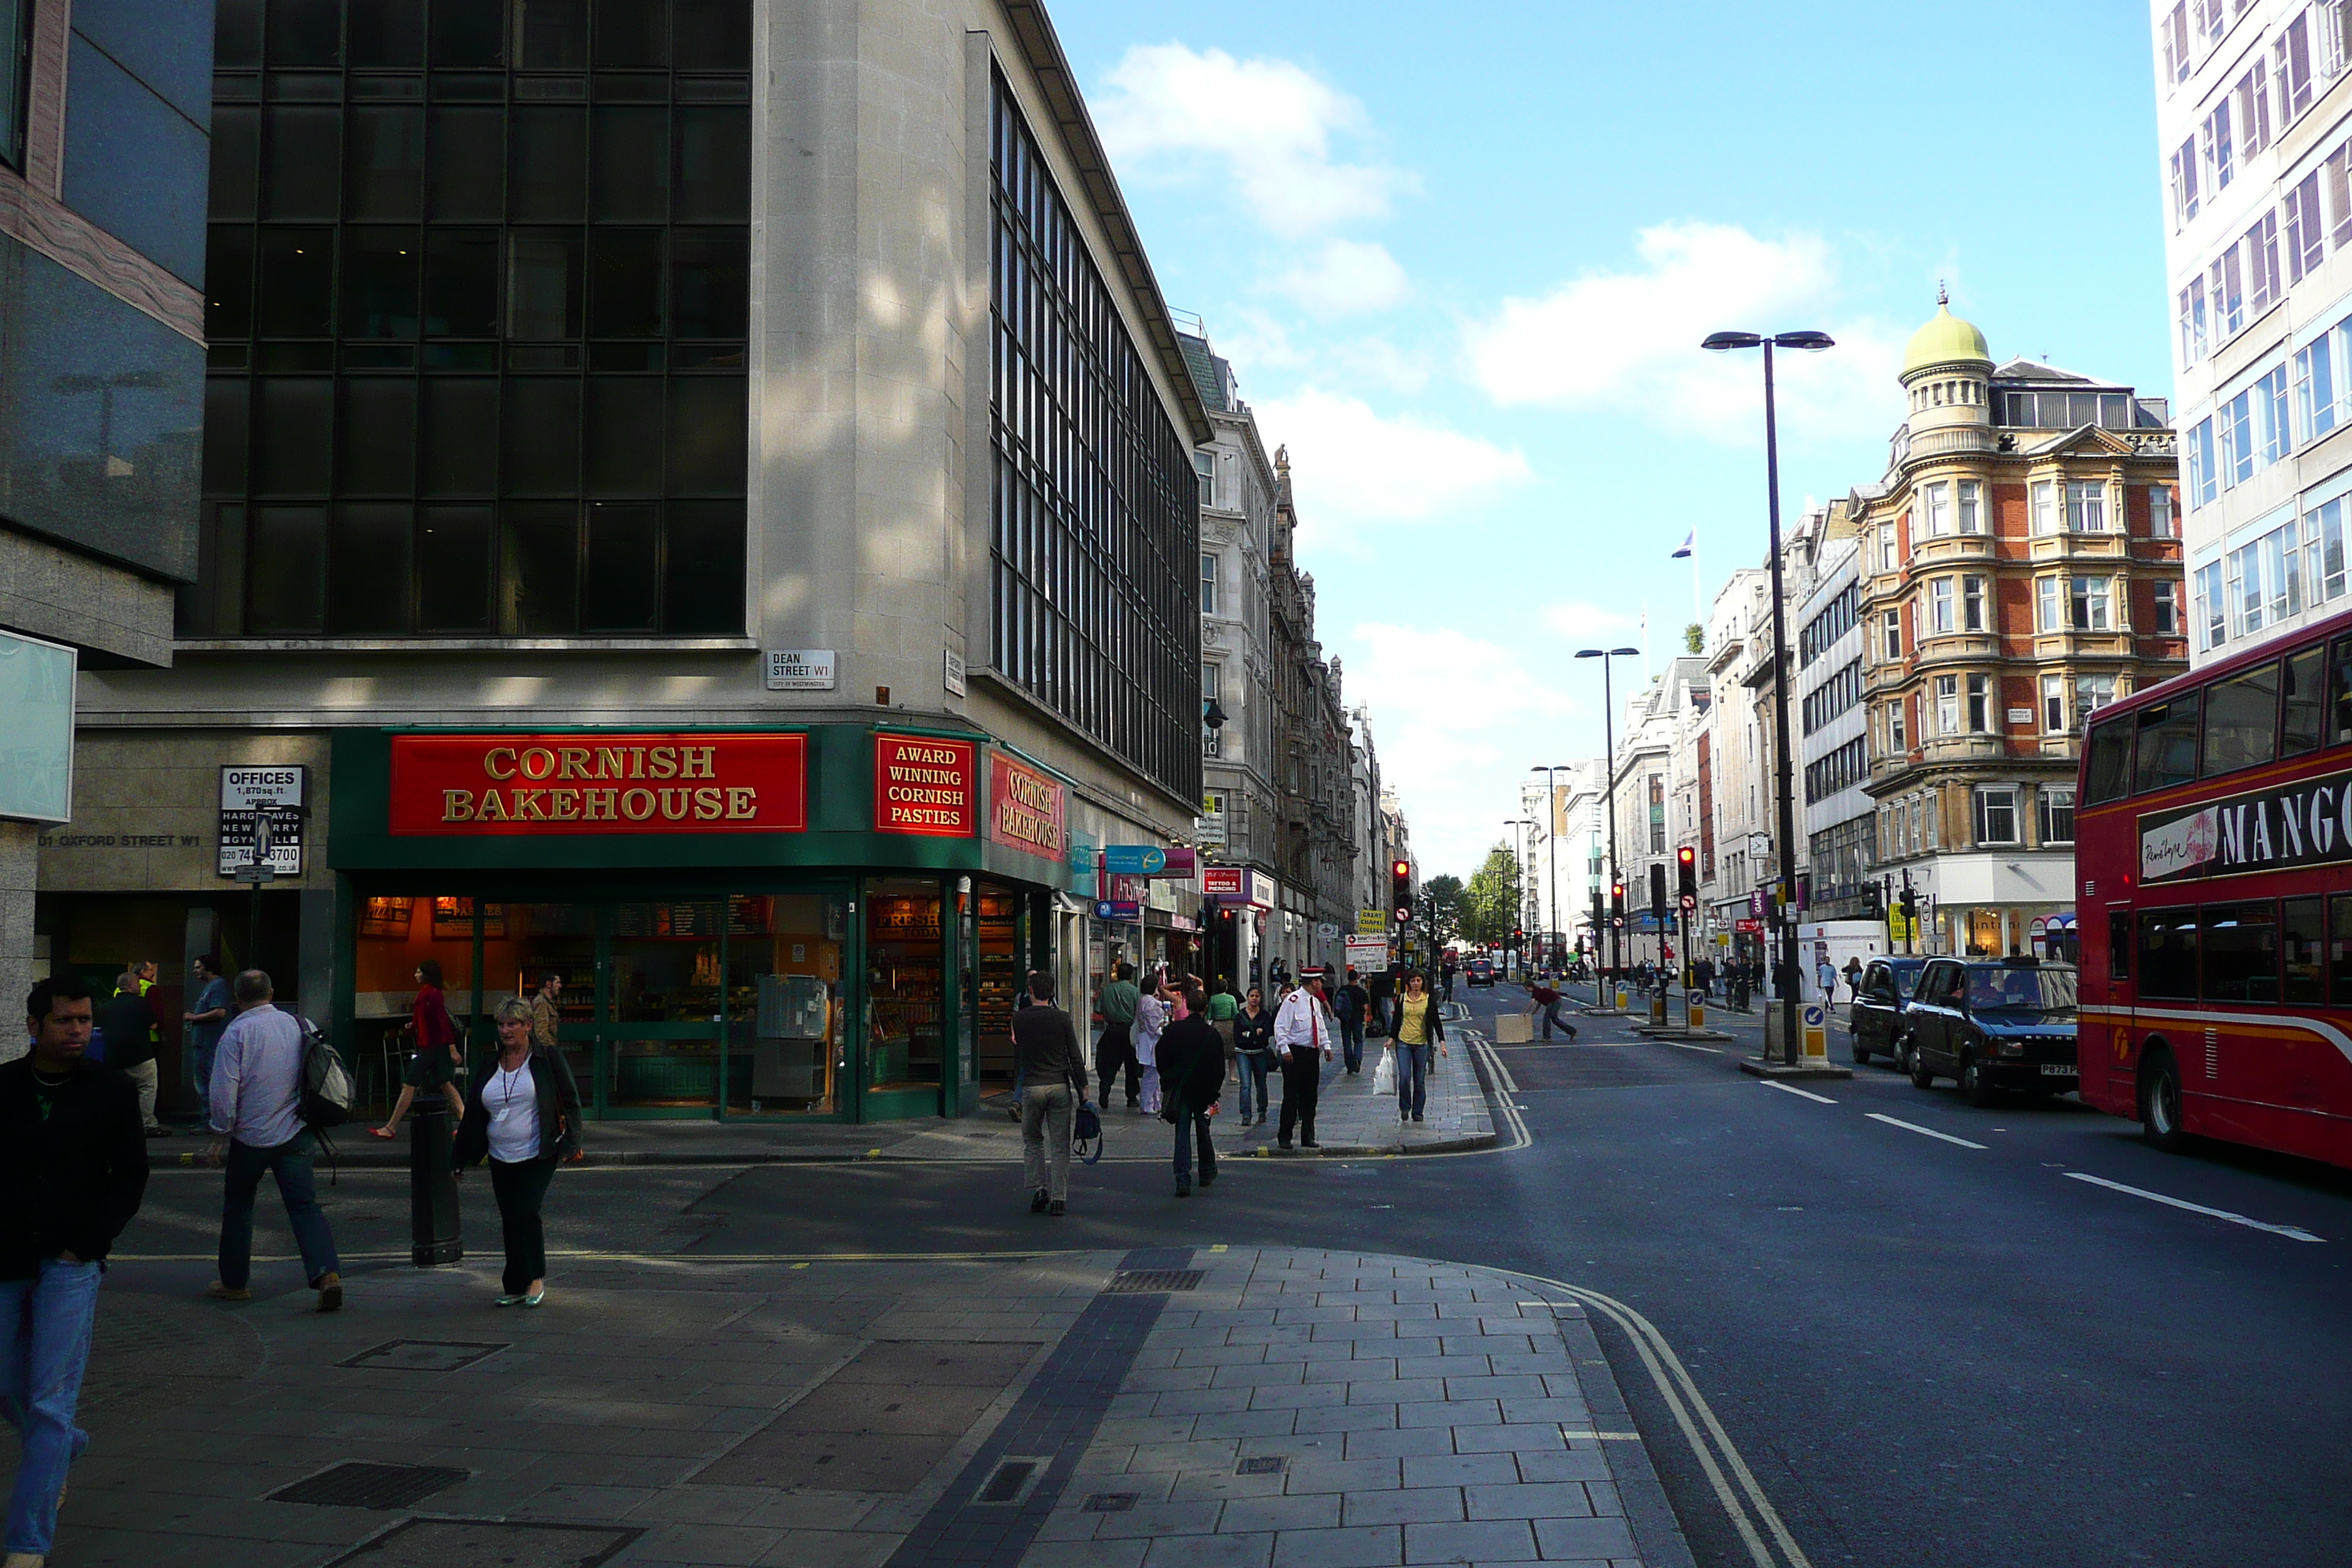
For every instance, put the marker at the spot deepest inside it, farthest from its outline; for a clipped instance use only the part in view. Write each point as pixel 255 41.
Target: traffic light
pixel 1617 903
pixel 1401 890
pixel 1658 889
pixel 1518 939
pixel 1687 873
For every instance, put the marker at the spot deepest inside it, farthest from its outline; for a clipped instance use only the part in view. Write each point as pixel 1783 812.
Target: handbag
pixel 1085 1133
pixel 1384 1076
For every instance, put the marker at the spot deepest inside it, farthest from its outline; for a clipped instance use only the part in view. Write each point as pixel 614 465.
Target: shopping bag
pixel 1384 1075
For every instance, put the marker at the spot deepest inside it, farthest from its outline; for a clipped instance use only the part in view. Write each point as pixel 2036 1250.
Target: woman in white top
pixel 524 1117
pixel 1151 1013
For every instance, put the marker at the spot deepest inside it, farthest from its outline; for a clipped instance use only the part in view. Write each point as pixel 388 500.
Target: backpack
pixel 326 1087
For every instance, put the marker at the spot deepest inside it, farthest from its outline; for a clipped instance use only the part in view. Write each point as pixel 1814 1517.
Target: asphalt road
pixel 1929 1352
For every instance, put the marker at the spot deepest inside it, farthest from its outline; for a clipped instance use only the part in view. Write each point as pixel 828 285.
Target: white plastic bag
pixel 1384 1075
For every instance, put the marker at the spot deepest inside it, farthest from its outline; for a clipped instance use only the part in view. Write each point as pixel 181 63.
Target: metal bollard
pixel 433 1230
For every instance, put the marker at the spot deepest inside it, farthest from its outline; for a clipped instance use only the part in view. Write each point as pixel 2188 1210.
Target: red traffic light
pixel 1400 867
pixel 1686 855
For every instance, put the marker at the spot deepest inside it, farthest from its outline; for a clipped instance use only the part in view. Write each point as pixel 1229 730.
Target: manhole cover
pixel 1144 1281
pixel 423 1356
pixel 489 1543
pixel 1112 1502
pixel 360 1484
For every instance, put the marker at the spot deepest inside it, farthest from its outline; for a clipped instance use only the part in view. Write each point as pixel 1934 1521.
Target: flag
pixel 1689 544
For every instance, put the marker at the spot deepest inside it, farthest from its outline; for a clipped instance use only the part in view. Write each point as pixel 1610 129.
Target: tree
pixel 1445 894
pixel 1695 638
pixel 1490 904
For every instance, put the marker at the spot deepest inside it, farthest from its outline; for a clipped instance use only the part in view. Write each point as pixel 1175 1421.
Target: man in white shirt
pixel 1302 1044
pixel 256 1097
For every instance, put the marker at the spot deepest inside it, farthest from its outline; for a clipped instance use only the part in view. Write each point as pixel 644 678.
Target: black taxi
pixel 1875 1021
pixel 1993 1025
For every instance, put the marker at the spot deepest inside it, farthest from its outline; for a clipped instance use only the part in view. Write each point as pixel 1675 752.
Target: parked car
pixel 1875 1021
pixel 1481 972
pixel 1993 1025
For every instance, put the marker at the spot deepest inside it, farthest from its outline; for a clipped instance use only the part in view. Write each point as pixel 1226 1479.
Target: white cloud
pixel 1351 278
pixel 1631 339
pixel 1455 719
pixel 1350 466
pixel 1271 123
pixel 1579 622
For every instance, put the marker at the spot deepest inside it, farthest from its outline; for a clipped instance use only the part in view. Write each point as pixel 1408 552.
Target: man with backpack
pixel 1349 1004
pixel 257 1116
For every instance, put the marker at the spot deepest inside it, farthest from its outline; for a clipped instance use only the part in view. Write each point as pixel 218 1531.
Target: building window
pixel 2204 475
pixel 1996 814
pixel 1971 507
pixel 2307 235
pixel 1973 603
pixel 1947 705
pixel 2054 704
pixel 2086 505
pixel 2167 606
pixel 1979 704
pixel 1939 604
pixel 2044 499
pixel 2274 430
pixel 2315 388
pixel 2172 34
pixel 1938 499
pixel 16 38
pixel 1211 690
pixel 2184 184
pixel 1205 465
pixel 2092 692
pixel 2090 607
pixel 1896 739
pixel 2212 608
pixel 2046 615
pixel 2225 286
pixel 2261 245
pixel 1109 660
pixel 1887 559
pixel 2291 65
pixel 1891 631
pixel 2056 809
pixel 2161 524
pixel 1208 583
pixel 2322 533
pixel 1657 814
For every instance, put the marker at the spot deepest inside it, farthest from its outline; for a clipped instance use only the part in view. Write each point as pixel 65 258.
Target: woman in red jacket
pixel 438 1056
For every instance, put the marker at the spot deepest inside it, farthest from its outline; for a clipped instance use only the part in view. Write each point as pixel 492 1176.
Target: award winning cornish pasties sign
pixel 2306 823
pixel 600 782
pixel 926 786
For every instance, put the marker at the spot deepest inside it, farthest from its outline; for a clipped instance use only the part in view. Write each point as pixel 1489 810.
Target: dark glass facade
pixel 477 299
pixel 1095 515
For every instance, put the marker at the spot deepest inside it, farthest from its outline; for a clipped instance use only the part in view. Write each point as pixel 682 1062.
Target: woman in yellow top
pixel 1416 1028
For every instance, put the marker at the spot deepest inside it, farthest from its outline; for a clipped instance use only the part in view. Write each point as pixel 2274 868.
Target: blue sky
pixel 1462 270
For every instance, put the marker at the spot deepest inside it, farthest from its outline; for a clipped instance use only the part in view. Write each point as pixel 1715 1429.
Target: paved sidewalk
pixel 1146 1409
pixel 1349 1119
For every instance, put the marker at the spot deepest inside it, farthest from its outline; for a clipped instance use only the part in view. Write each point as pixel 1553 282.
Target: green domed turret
pixel 1945 340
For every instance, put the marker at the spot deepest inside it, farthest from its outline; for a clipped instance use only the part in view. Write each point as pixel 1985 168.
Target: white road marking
pixel 1923 1132
pixel 2292 1233
pixel 1687 1045
pixel 1802 1093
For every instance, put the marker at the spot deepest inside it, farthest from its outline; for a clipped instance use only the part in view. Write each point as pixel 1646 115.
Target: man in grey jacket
pixel 1050 1067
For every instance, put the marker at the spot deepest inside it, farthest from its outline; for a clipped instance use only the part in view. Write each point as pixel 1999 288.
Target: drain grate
pixel 448 1542
pixel 1011 1482
pixel 1262 1465
pixel 1112 1502
pixel 423 1356
pixel 360 1484
pixel 1148 1281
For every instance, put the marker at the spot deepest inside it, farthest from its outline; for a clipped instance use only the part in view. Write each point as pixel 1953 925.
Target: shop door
pixel 663 972
pixel 534 943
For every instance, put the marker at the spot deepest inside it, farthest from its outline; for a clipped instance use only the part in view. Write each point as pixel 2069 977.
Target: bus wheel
pixel 2160 1102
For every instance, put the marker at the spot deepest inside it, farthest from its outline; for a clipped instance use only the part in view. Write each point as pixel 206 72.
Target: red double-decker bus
pixel 2213 864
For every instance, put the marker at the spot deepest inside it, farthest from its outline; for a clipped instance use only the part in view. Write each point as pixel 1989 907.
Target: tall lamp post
pixel 1551 772
pixel 1520 840
pixel 1813 343
pixel 1608 768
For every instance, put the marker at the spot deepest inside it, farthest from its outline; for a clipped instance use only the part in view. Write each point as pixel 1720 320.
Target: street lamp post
pixel 1782 778
pixel 1608 768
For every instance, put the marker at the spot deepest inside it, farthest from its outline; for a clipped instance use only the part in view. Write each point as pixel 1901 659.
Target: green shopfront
pixel 823 922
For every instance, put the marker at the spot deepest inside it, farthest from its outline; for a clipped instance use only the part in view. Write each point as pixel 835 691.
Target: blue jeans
pixel 1192 1124
pixel 44 1348
pixel 1254 1066
pixel 1412 1080
pixel 290 1164
pixel 1351 1044
pixel 200 1067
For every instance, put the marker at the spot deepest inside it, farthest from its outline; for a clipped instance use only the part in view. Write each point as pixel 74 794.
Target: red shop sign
pixel 1224 881
pixel 925 786
pixel 1025 808
pixel 600 782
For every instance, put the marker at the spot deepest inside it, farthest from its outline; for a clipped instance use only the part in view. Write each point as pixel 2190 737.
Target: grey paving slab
pixel 1415 1505
pixel 1358 1546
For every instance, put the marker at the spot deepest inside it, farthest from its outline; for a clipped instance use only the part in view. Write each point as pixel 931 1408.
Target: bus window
pixel 2167 954
pixel 2167 744
pixel 2340 693
pixel 2241 953
pixel 2300 728
pixel 2340 945
pixel 2109 773
pixel 2119 944
pixel 2242 720
pixel 2306 980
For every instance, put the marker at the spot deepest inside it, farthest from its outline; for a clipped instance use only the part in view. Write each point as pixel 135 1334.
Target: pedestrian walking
pixel 1049 1069
pixel 75 1168
pixel 1151 1015
pixel 1253 1051
pixel 1115 1052
pixel 1825 976
pixel 1704 973
pixel 1223 1007
pixel 523 1116
pixel 1417 1029
pixel 547 1012
pixel 1852 979
pixel 438 1054
pixel 1349 1004
pixel 127 1024
pixel 205 1019
pixel 1302 1039
pixel 1192 1076
pixel 257 1100
pixel 1446 980
pixel 1545 998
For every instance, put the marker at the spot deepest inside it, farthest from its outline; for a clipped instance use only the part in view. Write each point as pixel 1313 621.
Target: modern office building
pixel 698 501
pixel 104 117
pixel 1835 814
pixel 2254 140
